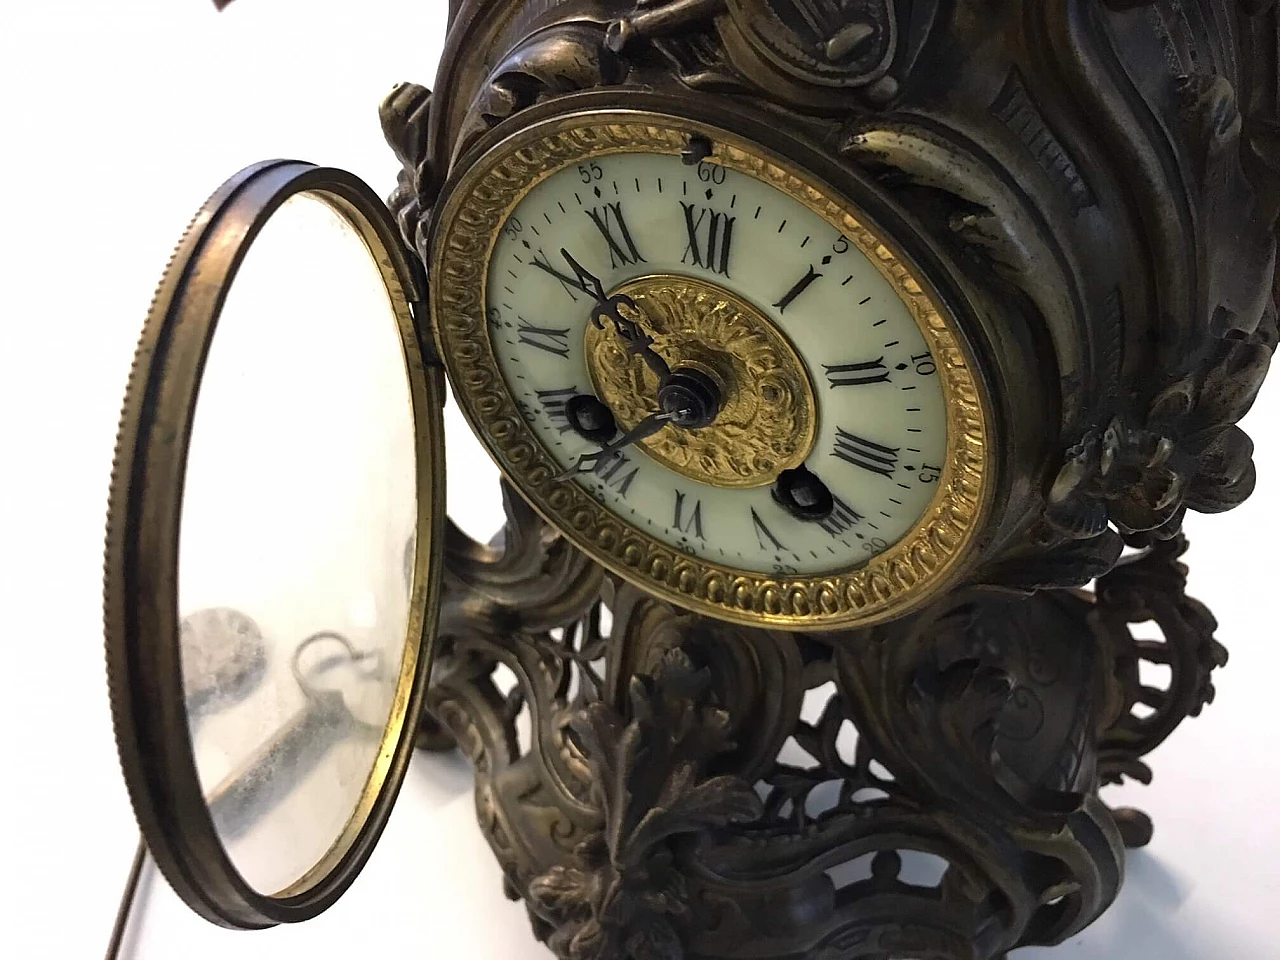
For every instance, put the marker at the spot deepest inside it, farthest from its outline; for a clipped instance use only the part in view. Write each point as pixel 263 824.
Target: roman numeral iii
pixel 622 249
pixel 866 454
pixel 714 253
pixel 857 374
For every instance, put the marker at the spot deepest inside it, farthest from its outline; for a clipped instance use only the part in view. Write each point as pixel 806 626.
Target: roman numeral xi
pixel 622 249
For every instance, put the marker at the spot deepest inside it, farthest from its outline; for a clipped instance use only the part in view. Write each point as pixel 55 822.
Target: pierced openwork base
pixel 656 785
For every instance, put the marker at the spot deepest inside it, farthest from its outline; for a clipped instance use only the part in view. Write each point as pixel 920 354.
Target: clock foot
pixel 658 785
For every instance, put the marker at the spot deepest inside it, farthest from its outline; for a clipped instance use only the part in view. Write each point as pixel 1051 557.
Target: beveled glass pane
pixel 298 503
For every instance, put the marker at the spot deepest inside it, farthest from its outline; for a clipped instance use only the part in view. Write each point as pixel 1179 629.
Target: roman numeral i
pixel 714 253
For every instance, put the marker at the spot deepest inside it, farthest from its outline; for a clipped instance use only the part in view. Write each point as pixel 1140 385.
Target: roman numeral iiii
pixel 857 374
pixel 866 454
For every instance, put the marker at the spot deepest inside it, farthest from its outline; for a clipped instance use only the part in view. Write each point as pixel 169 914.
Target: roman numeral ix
pixel 622 249
pixel 866 454
pixel 714 254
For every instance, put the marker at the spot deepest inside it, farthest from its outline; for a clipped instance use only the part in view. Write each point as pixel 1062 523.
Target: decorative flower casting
pixel 1186 453
pixel 625 896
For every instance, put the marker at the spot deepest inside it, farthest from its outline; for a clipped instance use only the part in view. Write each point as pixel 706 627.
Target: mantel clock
pixel 868 349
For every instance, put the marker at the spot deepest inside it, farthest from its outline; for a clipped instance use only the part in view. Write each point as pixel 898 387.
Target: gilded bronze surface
pixel 768 416
pixel 903 577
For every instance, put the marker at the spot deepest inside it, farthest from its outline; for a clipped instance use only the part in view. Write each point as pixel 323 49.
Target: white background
pixel 118 119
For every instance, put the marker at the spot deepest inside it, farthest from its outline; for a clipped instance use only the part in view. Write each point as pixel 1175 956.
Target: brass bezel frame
pixel 141 616
pixel 522 153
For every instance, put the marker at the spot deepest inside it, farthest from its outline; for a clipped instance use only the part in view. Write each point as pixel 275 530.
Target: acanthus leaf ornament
pixel 1186 453
pixel 623 896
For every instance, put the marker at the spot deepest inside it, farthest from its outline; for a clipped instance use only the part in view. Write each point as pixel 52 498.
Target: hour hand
pixel 609 308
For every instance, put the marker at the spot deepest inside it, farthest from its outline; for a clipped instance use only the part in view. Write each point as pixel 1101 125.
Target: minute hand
pixel 589 462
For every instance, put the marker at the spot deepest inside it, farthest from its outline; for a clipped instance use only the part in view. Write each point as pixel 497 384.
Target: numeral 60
pixel 710 172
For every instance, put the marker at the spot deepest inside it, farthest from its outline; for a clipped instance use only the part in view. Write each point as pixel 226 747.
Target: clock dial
pixel 734 274
pixel 714 377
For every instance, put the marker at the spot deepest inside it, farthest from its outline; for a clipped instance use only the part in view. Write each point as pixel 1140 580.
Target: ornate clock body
pixel 892 323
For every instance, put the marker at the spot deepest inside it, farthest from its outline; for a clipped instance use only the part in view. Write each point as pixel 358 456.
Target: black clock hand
pixel 562 277
pixel 587 281
pixel 589 462
pixel 632 334
pixel 609 308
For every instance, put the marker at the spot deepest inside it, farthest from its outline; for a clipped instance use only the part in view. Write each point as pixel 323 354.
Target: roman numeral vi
pixel 693 521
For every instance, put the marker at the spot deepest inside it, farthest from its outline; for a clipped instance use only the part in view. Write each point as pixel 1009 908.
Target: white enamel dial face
pixel 881 419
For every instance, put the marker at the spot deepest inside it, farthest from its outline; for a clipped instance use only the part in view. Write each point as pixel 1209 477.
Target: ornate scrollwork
pixel 624 895
pixel 940 801
pixel 1144 712
pixel 1186 453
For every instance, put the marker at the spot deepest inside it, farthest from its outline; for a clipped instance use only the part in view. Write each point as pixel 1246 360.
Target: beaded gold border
pixel 888 585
